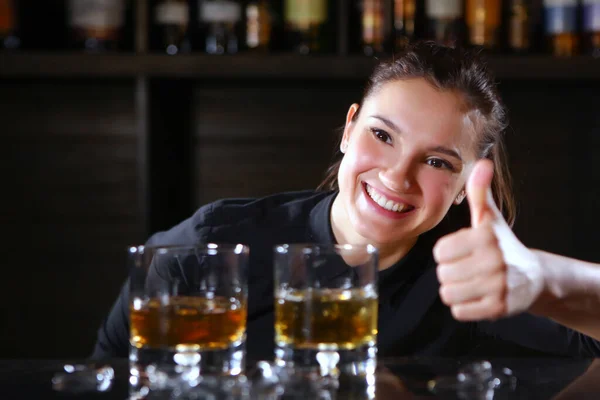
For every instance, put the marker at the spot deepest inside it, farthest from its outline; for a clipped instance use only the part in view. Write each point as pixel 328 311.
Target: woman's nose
pixel 398 178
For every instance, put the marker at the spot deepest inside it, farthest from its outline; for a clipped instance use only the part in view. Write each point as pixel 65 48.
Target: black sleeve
pixel 542 335
pixel 113 335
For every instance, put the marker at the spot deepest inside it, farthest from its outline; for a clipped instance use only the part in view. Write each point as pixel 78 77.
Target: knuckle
pixel 442 272
pixel 440 250
pixel 446 294
pixel 457 312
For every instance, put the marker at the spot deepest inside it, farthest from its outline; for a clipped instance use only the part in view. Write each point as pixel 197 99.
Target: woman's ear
pixel 348 127
pixel 461 196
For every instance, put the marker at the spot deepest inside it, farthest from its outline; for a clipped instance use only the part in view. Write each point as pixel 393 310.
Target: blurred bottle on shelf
pixel 561 27
pixel 171 26
pixel 306 26
pixel 445 21
pixel 259 23
pixel 591 27
pixel 483 18
pixel 220 23
pixel 405 22
pixel 375 26
pixel 520 26
pixel 96 25
pixel 9 23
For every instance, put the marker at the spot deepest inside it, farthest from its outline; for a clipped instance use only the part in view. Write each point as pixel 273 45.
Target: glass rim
pixel 307 247
pixel 237 248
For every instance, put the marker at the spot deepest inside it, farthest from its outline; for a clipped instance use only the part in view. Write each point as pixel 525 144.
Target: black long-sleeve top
pixel 412 318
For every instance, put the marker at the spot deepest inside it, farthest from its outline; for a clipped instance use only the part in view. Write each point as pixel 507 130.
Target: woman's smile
pixel 387 206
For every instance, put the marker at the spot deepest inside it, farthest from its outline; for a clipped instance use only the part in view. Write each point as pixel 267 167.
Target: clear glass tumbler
pixel 188 307
pixel 326 305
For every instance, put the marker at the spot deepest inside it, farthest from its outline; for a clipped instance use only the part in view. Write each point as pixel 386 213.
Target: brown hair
pixel 462 71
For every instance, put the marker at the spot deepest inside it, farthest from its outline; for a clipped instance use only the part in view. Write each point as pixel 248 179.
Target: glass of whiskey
pixel 187 311
pixel 326 304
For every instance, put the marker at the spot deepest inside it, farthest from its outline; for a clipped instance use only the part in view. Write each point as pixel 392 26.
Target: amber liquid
pixel 404 22
pixel 519 26
pixel 373 26
pixel 326 319
pixel 258 26
pixel 564 44
pixel 306 23
pixel 483 21
pixel 188 323
pixel 7 18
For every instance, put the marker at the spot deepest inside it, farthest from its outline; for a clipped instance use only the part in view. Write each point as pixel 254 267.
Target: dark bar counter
pixel 398 378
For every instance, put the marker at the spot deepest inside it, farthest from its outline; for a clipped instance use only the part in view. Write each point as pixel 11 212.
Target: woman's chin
pixel 377 235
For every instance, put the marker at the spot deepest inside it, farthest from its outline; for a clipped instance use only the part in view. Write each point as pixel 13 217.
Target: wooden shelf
pixel 275 66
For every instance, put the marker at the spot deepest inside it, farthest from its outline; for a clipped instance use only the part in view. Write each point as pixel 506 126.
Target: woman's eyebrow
pixel 446 151
pixel 386 121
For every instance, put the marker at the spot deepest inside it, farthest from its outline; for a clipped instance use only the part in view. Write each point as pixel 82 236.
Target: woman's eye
pixel 439 163
pixel 381 135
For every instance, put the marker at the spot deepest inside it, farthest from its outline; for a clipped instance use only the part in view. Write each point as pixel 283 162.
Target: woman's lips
pixel 387 203
pixel 384 206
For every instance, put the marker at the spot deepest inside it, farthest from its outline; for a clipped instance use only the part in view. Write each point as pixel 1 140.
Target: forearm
pixel 571 293
pixel 113 335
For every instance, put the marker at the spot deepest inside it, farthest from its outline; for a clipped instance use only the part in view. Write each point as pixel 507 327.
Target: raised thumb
pixel 479 192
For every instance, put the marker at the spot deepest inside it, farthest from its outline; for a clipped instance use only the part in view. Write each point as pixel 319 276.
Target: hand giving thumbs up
pixel 485 272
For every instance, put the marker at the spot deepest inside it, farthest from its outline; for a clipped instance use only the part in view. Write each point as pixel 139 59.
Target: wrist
pixel 570 285
pixel 557 283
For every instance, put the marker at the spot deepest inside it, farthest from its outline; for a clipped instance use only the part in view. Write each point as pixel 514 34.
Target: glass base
pixel 327 362
pixel 156 370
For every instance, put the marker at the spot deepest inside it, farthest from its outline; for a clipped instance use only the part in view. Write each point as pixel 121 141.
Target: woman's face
pixel 407 157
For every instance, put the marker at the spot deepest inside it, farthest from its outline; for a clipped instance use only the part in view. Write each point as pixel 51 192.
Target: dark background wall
pixel 68 210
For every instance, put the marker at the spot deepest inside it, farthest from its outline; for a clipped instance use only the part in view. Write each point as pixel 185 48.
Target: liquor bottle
pixel 305 25
pixel 483 21
pixel 171 18
pixel 9 38
pixel 520 26
pixel 375 27
pixel 561 27
pixel 445 21
pixel 258 25
pixel 220 21
pixel 405 23
pixel 591 27
pixel 96 25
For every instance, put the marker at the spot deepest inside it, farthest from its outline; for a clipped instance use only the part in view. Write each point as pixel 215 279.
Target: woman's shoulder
pixel 234 213
pixel 231 211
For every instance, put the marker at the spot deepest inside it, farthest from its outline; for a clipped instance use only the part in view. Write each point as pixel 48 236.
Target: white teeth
pixel 384 202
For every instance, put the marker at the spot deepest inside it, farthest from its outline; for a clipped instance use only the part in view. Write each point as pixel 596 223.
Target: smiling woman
pixel 426 120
